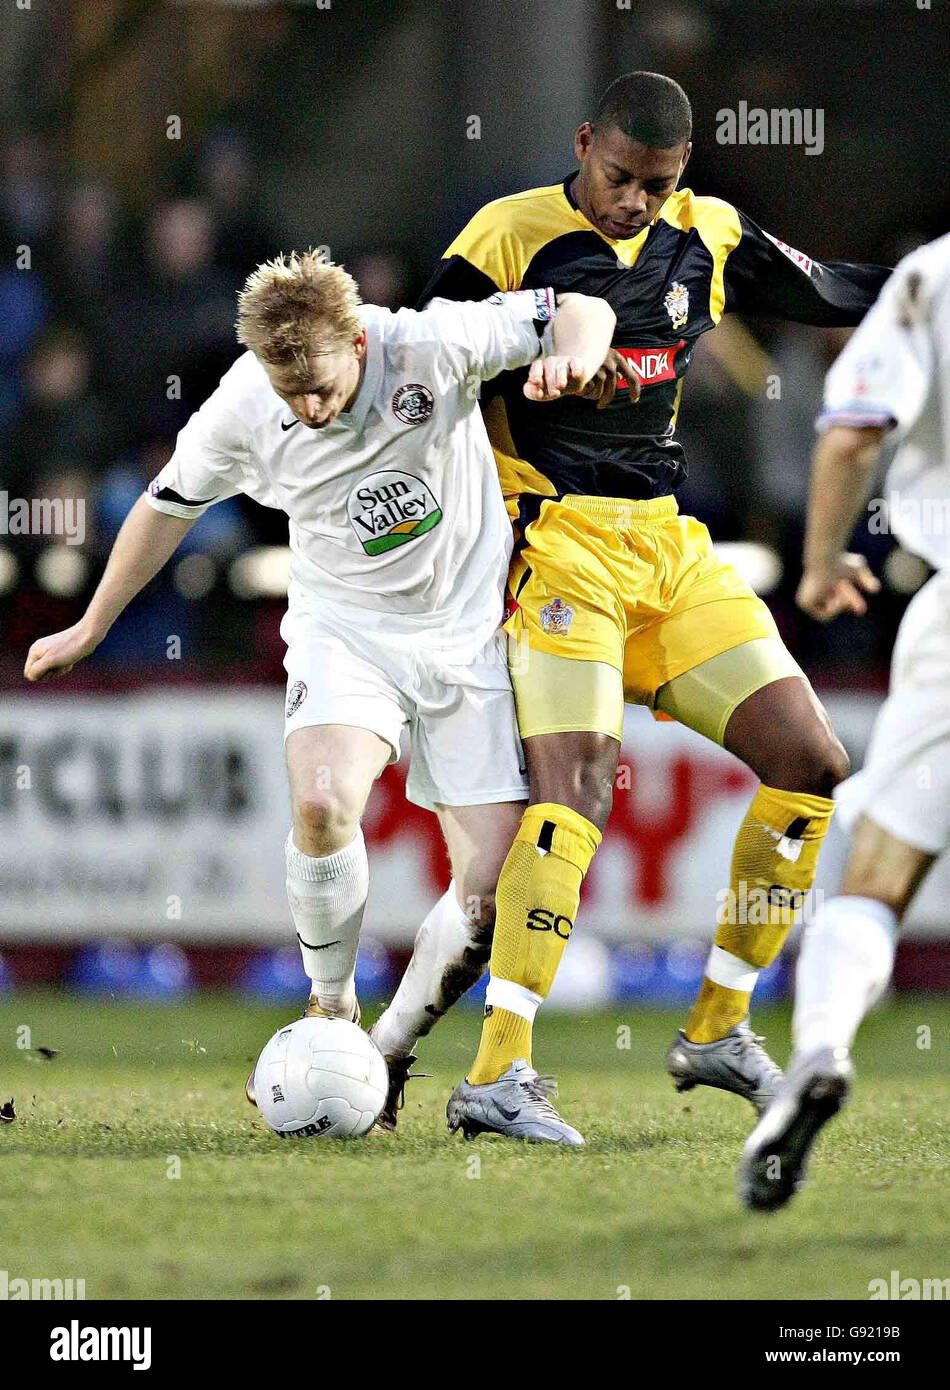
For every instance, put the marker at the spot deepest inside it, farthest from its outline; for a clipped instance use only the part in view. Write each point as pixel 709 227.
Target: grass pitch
pixel 649 1206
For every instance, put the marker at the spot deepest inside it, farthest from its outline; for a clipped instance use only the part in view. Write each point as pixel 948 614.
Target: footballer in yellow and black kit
pixel 607 570
pixel 619 598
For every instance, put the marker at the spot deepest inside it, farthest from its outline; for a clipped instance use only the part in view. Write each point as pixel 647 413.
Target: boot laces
pixel 540 1089
pixel 752 1044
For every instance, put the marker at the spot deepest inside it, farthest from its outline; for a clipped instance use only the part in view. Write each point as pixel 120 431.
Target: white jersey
pixel 895 373
pixel 396 513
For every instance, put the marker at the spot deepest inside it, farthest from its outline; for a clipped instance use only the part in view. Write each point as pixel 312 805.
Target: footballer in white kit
pixel 399 537
pixel 363 426
pixel 893 378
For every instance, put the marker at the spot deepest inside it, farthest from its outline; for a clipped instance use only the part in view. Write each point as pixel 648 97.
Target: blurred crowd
pixel 115 328
pixel 117 323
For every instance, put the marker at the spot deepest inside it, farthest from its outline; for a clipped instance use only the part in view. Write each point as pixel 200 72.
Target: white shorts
pixel 464 746
pixel 904 785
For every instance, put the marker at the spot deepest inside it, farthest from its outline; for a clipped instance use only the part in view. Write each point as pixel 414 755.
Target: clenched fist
pixel 58 654
pixel 602 386
pixel 826 593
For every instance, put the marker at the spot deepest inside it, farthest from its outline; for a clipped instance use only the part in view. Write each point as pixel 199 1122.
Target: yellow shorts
pixel 632 585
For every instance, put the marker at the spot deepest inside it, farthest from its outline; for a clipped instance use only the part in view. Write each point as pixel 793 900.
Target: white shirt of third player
pixel 395 507
pixel 895 373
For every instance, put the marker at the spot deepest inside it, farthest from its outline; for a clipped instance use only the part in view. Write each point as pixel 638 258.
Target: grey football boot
pixel 517 1105
pixel 775 1155
pixel 738 1062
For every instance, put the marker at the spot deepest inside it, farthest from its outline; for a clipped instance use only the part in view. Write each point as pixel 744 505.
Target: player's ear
pixel 686 154
pixel 359 344
pixel 583 138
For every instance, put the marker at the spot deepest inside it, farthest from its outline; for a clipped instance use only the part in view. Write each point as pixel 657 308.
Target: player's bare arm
pixel 145 543
pixel 582 333
pixel 834 581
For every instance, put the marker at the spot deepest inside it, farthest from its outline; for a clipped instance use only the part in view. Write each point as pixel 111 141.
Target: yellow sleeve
pixel 490 243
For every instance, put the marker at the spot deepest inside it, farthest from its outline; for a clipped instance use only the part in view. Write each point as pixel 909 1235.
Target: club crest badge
pixel 413 404
pixel 295 697
pixel 677 304
pixel 556 617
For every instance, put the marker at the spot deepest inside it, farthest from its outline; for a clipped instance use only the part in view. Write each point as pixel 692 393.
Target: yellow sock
pixel 773 867
pixel 536 902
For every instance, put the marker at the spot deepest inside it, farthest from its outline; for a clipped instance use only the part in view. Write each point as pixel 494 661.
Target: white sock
pixel 449 956
pixel 845 963
pixel 327 896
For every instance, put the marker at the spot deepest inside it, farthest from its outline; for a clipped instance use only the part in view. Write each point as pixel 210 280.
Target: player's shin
pixel 536 904
pixel 327 896
pixel 845 963
pixel 449 956
pixel 773 868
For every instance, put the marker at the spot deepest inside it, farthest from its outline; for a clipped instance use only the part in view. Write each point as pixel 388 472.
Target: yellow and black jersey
pixel 699 259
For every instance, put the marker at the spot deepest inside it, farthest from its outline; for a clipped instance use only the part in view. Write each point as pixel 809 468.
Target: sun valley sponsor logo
pixel 75 1343
pixel 390 508
pixel 651 364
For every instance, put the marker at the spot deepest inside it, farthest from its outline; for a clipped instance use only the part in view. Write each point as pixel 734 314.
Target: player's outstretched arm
pixel 582 332
pixel 833 580
pixel 148 538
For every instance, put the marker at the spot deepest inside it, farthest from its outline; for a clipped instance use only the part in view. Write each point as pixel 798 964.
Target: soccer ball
pixel 321 1078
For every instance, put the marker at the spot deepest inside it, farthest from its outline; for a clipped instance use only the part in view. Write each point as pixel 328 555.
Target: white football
pixel 321 1078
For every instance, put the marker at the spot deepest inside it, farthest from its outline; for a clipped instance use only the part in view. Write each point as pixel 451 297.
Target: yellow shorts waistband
pixel 620 511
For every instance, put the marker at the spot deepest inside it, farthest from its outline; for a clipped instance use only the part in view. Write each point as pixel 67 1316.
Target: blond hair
pixel 296 306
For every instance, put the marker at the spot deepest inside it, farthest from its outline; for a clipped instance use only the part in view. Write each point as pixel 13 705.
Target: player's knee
pixel 816 766
pixel 594 788
pixel 586 786
pixel 324 821
pixel 827 764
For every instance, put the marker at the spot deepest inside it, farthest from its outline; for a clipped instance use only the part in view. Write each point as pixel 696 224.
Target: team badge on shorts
pixel 413 404
pixel 295 697
pixel 556 617
pixel 677 303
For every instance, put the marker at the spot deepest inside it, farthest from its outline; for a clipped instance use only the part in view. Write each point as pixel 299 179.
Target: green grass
pixel 649 1204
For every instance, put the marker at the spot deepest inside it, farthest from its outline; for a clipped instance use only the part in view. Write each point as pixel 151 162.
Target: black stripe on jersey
pixel 457 278
pixel 168 494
